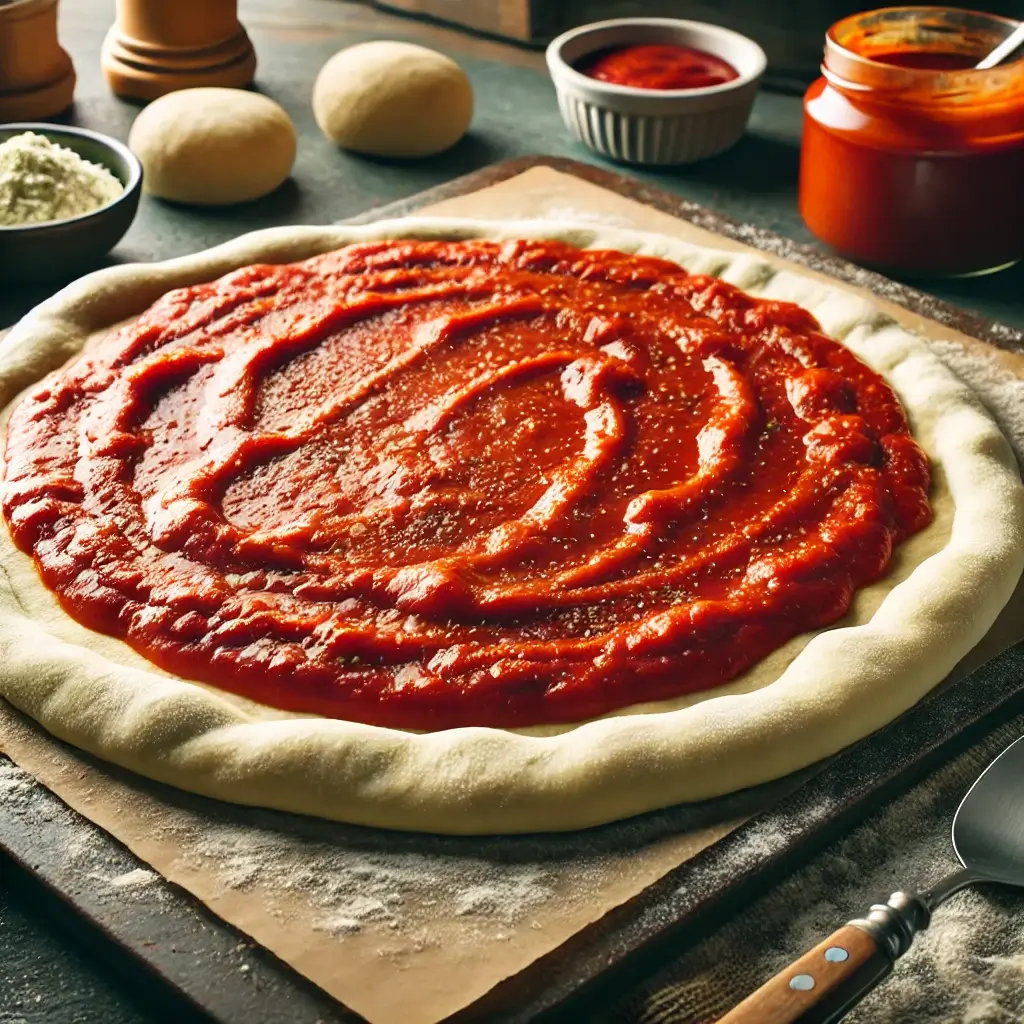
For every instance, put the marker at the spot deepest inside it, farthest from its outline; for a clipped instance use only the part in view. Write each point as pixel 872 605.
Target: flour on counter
pixel 133 879
pixel 84 854
pixel 88 856
pixel 350 889
pixel 966 968
pixel 16 785
pixel 601 217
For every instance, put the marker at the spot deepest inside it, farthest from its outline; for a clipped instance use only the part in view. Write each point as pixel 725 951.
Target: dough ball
pixel 213 147
pixel 393 99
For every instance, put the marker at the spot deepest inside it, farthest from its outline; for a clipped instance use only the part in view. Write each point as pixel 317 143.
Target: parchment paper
pixel 420 927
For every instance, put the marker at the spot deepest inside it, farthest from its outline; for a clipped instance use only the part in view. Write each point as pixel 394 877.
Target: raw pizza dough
pixel 212 146
pixel 801 704
pixel 393 99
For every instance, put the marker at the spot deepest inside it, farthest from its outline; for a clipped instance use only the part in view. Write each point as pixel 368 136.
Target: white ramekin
pixel 648 126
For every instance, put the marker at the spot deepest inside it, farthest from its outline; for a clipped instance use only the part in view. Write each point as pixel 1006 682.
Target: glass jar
pixel 913 161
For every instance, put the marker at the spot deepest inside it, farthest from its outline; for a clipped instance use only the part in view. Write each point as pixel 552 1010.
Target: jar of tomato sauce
pixel 913 161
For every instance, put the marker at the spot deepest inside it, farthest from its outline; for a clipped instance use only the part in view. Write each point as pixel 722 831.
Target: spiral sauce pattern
pixel 433 484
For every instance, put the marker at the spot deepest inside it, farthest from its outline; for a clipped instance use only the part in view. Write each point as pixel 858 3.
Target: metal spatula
pixel 824 984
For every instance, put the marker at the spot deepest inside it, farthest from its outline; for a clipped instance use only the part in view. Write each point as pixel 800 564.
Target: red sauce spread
pixel 658 67
pixel 433 484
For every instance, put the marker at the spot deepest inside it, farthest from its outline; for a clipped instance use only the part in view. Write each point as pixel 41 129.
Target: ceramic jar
pixel 156 47
pixel 37 79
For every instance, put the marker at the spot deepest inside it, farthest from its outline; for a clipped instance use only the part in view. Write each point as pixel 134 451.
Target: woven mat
pixel 968 968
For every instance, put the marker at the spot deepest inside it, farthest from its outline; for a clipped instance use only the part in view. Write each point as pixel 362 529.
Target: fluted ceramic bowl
pixel 654 126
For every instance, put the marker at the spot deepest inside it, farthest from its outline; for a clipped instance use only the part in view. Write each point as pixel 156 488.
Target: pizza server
pixel 826 983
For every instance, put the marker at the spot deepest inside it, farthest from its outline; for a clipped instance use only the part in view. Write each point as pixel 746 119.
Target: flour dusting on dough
pixel 1001 391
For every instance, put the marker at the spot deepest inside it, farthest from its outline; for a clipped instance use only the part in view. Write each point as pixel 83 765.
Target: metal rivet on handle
pixel 801 982
pixel 836 954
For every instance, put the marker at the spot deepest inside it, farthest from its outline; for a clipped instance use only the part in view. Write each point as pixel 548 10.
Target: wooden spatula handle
pixel 829 980
pixel 820 985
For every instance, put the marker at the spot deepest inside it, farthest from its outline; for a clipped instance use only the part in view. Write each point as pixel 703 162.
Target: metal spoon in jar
pixel 1009 49
pixel 826 983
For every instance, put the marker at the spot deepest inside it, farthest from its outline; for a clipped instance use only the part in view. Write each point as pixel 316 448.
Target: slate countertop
pixel 45 976
pixel 516 114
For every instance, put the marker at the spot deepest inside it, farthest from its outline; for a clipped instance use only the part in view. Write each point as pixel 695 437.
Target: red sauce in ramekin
pixel 658 66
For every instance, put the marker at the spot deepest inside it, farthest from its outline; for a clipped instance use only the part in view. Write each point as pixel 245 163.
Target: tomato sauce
pixel 911 162
pixel 658 66
pixel 434 484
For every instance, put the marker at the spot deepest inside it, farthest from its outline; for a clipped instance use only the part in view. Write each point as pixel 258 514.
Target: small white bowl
pixel 655 126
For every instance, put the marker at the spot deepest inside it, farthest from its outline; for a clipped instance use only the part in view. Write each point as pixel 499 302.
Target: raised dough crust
pixel 805 703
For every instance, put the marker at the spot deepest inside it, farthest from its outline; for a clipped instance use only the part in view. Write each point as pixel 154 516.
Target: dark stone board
pixel 181 963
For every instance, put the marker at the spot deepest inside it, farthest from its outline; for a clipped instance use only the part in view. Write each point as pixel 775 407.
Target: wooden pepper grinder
pixel 37 79
pixel 156 47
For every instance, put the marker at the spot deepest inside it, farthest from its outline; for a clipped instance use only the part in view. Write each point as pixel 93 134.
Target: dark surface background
pixel 516 114
pixel 47 975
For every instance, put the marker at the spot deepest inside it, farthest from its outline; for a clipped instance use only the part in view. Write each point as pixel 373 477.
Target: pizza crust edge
pixel 844 683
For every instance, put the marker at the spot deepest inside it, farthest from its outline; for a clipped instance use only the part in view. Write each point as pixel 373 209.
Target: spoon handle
pixel 828 981
pixel 1006 51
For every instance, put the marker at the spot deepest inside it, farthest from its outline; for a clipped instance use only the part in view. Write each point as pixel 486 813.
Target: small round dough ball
pixel 213 147
pixel 393 99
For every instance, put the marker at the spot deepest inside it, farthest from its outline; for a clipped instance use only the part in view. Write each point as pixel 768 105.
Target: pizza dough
pixel 213 147
pixel 803 703
pixel 393 99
